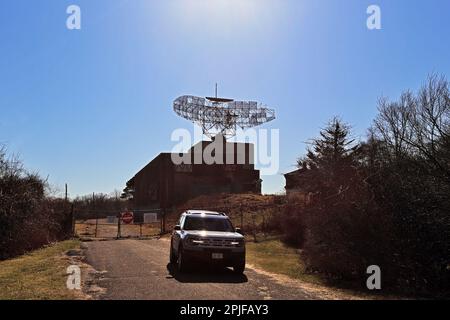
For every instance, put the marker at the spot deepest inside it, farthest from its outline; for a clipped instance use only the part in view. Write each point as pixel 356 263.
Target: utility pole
pixel 72 218
pixel 69 213
pixel 96 216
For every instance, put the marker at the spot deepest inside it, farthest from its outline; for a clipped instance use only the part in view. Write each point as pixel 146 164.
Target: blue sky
pixel 90 107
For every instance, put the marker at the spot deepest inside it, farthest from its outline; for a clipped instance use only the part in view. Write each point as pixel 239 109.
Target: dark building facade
pixel 294 182
pixel 297 187
pixel 164 183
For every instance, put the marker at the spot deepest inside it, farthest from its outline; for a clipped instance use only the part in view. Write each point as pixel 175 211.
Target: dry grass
pixel 254 208
pixel 275 257
pixel 246 200
pixel 285 265
pixel 39 275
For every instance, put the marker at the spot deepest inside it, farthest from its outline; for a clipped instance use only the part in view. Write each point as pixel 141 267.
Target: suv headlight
pixel 237 243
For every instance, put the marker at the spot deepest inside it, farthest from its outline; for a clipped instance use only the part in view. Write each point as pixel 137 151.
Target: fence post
pixel 164 220
pixel 140 230
pixel 254 227
pixel 96 226
pixel 161 231
pixel 73 221
pixel 118 227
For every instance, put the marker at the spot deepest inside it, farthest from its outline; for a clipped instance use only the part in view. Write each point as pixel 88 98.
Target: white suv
pixel 208 237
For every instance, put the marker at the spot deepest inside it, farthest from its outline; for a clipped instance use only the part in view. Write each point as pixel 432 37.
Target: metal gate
pixel 110 224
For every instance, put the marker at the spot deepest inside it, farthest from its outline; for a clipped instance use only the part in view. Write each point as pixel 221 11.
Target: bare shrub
pixel 28 219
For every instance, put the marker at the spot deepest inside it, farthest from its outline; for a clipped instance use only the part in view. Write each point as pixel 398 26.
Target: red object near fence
pixel 127 217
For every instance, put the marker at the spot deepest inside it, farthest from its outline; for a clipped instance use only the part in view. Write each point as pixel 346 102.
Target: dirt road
pixel 139 269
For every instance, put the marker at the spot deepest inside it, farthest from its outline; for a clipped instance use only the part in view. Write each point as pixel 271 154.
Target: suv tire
pixel 181 261
pixel 239 268
pixel 173 257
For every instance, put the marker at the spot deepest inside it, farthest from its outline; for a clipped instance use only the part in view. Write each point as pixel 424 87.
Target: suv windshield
pixel 208 224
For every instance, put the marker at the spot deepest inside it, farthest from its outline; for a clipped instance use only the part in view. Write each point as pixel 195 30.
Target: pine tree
pixel 331 158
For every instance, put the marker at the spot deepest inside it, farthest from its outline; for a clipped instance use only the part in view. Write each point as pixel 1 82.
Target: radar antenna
pixel 221 115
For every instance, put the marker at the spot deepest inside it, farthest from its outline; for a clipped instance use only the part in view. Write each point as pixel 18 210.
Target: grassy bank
pixel 40 274
pixel 275 257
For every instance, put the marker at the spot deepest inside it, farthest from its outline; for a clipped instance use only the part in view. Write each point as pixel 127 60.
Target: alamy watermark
pixel 374 19
pixel 74 277
pixel 73 21
pixel 374 280
pixel 261 148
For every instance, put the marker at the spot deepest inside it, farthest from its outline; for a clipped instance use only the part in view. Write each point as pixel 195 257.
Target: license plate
pixel 217 256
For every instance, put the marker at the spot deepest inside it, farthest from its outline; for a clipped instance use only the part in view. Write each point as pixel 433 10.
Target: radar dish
pixel 222 116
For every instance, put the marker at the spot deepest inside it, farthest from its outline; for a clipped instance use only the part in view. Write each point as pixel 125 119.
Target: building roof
pixel 193 149
pixel 203 144
pixel 295 172
pixel 162 154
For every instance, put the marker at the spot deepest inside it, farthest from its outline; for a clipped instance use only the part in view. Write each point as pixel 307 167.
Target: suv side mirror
pixel 177 227
pixel 239 230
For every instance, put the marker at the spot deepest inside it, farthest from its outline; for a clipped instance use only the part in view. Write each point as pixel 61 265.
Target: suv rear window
pixel 207 224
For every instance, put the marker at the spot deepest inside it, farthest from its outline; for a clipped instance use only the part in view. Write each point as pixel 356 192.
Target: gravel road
pixel 139 269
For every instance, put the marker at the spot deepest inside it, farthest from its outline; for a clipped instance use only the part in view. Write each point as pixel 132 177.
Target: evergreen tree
pixel 331 159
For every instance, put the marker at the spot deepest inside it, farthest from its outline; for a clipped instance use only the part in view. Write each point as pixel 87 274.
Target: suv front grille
pixel 223 243
pixel 218 243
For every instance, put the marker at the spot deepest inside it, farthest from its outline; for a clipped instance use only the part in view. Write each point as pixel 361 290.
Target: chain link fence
pixel 113 224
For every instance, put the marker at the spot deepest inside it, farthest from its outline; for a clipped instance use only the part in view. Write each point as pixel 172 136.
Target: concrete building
pixel 209 167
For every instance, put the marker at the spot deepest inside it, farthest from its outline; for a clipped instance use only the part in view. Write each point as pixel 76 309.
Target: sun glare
pixel 217 15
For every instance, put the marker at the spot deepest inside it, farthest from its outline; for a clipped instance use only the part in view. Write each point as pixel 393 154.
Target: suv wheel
pixel 173 258
pixel 181 260
pixel 239 268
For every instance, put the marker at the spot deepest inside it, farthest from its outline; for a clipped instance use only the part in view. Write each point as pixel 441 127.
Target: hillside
pixel 249 211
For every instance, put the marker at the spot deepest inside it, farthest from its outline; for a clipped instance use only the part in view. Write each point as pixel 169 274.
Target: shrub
pixel 28 219
pixel 292 224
